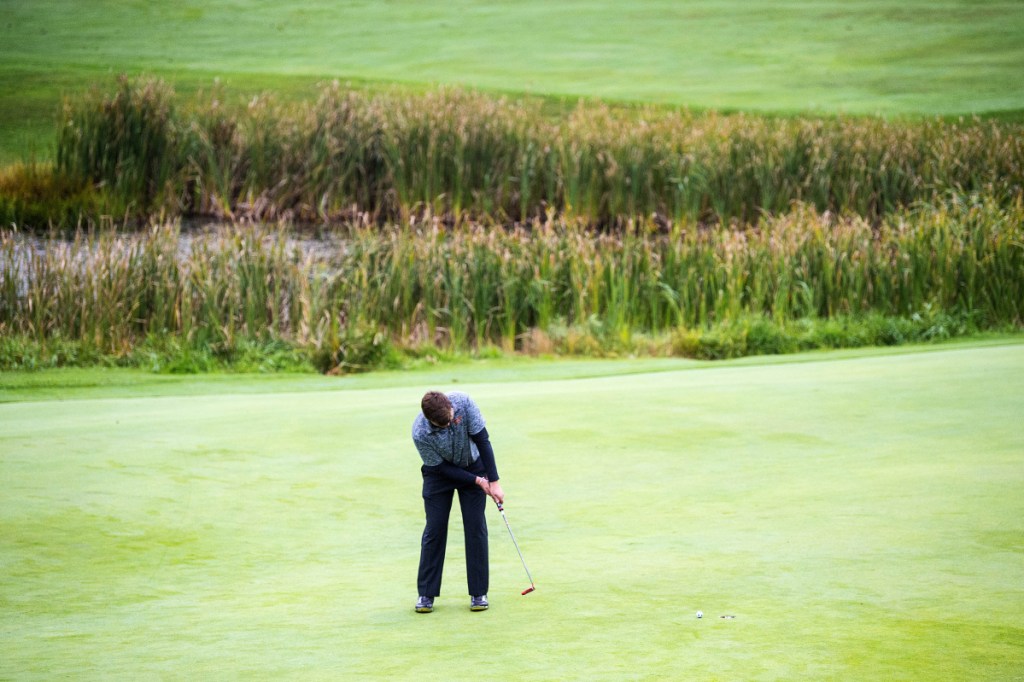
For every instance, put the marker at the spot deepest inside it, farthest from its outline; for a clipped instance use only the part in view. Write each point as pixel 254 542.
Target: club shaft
pixel 518 551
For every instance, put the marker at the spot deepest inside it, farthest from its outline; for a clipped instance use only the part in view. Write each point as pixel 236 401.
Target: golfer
pixel 452 440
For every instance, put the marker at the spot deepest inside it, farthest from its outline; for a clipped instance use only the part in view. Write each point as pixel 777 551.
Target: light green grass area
pixel 859 56
pixel 858 513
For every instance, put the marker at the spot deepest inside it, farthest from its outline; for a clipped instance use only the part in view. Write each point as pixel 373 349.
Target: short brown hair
pixel 436 408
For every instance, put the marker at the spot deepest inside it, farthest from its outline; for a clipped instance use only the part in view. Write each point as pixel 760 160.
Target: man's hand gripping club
pixel 492 489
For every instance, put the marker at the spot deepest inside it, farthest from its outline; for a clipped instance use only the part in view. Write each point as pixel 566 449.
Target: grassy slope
pixel 860 56
pixel 859 513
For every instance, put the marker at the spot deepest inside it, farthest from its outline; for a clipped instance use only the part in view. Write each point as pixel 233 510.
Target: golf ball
pixel 700 614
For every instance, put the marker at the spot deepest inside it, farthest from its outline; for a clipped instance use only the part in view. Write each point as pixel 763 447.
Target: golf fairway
pixel 860 514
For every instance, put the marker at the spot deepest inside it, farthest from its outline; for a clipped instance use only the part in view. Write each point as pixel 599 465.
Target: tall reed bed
pixel 463 156
pixel 471 287
pixel 493 285
pixel 125 141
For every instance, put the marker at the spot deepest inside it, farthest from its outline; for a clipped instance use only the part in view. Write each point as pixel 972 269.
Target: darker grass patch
pixel 98 560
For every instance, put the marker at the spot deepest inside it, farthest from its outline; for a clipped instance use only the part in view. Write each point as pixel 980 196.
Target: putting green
pixel 859 514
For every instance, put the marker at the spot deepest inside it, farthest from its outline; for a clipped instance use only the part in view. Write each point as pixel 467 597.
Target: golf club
pixel 532 587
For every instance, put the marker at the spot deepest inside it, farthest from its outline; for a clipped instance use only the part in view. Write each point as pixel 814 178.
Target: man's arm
pixel 449 470
pixel 453 472
pixel 483 445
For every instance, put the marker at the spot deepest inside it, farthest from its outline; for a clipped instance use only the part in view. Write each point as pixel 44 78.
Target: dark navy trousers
pixel 438 491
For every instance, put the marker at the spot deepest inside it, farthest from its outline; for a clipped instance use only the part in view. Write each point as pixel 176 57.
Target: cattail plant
pixel 461 156
pixel 470 286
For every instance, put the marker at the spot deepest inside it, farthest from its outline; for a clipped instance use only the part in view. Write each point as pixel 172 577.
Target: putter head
pixel 528 590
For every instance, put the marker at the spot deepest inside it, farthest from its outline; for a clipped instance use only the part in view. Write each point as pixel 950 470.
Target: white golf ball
pixel 700 614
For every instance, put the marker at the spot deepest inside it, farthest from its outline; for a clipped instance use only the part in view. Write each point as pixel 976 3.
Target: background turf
pixel 857 56
pixel 859 513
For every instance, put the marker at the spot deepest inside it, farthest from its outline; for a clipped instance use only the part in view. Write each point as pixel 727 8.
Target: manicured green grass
pixel 862 56
pixel 858 513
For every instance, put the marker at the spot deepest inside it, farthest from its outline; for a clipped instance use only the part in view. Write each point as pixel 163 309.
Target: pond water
pixel 18 249
pixel 320 244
